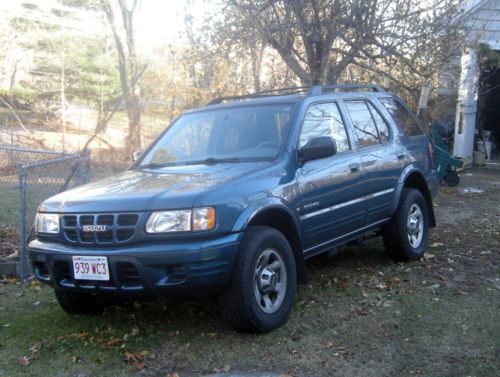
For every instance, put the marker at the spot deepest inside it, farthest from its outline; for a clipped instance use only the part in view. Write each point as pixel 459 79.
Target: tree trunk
pixel 129 73
pixel 256 54
pixel 134 122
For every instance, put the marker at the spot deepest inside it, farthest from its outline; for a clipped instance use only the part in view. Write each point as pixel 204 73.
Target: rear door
pixel 379 157
pixel 331 187
pixel 413 140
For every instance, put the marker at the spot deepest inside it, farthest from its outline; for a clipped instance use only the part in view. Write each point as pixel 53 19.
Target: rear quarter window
pixel 404 120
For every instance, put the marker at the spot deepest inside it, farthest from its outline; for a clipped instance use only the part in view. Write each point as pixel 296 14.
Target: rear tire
pixel 405 237
pixel 261 291
pixel 78 303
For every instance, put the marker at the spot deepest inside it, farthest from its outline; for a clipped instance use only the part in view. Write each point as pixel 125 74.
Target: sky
pixel 157 22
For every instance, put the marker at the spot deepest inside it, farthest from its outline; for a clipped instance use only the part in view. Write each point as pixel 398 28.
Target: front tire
pixel 405 237
pixel 78 303
pixel 261 291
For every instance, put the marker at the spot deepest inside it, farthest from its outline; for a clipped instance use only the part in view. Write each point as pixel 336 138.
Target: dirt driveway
pixel 359 315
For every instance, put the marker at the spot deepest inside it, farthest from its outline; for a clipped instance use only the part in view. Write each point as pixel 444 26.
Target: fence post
pixel 22 221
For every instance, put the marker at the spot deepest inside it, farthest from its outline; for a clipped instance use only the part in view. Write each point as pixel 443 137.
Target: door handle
pixel 354 168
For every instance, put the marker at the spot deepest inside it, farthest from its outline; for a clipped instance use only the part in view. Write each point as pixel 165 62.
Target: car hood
pixel 148 189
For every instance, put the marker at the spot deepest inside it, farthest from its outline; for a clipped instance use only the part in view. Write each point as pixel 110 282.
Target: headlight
pixel 47 223
pixel 169 221
pixel 181 220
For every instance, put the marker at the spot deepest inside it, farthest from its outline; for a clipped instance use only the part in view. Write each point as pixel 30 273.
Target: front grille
pixel 106 229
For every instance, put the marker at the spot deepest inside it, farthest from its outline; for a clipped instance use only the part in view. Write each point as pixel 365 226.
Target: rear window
pixel 402 117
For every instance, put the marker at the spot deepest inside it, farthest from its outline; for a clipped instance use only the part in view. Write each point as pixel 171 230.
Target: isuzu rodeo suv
pixel 233 197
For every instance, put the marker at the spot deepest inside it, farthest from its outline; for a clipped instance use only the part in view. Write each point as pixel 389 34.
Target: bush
pixel 19 98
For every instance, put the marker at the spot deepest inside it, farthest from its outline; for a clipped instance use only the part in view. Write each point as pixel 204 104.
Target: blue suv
pixel 233 197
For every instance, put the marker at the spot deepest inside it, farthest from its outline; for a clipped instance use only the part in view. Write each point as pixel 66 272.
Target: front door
pixel 331 187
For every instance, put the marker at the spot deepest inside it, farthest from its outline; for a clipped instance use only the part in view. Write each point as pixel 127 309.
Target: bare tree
pixel 128 65
pixel 319 39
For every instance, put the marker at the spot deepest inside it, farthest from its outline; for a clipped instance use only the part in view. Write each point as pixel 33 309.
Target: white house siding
pixel 483 26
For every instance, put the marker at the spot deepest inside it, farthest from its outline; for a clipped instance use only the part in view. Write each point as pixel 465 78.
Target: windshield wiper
pixel 213 160
pixel 154 165
pixel 207 161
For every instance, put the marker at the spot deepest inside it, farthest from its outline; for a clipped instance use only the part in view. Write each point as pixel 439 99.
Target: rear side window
pixel 383 129
pixel 364 125
pixel 323 119
pixel 404 120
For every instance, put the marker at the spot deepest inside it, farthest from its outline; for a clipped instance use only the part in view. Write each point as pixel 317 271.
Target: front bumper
pixel 142 271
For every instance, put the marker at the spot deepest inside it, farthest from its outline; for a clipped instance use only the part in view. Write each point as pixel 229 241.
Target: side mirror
pixel 137 154
pixel 319 147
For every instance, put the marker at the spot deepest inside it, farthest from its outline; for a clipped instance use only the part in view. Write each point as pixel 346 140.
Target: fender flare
pixel 409 170
pixel 274 203
pixel 260 206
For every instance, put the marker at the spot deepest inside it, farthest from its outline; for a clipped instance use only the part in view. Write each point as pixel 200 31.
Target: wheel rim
pixel 415 225
pixel 270 280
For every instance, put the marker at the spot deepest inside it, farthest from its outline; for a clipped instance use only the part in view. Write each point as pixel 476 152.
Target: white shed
pixel 483 26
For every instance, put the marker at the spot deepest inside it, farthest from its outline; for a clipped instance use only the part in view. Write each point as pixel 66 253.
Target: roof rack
pixel 264 93
pixel 312 90
pixel 320 89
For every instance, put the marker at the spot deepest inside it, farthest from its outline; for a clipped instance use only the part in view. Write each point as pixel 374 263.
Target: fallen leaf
pixel 328 344
pixel 35 348
pixel 436 244
pixel 175 374
pixel 136 359
pixel 344 284
pixel 139 364
pixel 226 368
pixel 130 357
pixel 75 359
pixel 114 342
pixel 135 331
pixel 23 361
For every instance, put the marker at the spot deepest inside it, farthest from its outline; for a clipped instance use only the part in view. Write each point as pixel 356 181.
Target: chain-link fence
pixel 28 177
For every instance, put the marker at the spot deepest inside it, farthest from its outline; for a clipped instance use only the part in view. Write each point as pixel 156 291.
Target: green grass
pixel 350 319
pixel 9 204
pixel 359 315
pixel 9 200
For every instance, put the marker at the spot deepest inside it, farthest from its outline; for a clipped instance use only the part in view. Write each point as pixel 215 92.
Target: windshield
pixel 231 134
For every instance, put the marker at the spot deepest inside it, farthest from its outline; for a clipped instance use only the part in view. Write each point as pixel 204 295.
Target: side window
pixel 404 120
pixel 363 123
pixel 323 119
pixel 383 129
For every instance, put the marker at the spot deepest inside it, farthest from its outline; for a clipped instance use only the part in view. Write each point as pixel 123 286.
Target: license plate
pixel 90 268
